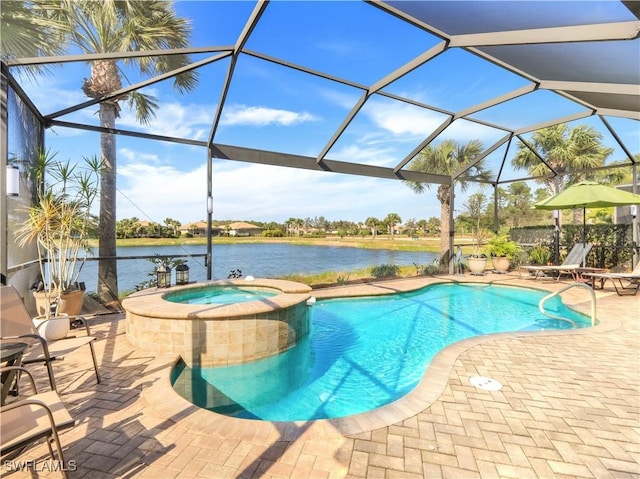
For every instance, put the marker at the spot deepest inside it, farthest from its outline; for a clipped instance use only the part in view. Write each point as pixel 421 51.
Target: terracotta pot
pixel 477 265
pixel 71 303
pixel 53 328
pixel 500 263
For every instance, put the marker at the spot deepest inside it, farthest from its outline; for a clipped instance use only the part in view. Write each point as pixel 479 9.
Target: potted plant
pixel 474 207
pixel 477 261
pixel 60 221
pixel 502 250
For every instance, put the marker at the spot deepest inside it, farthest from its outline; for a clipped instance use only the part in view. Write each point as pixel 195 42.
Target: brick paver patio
pixel 569 407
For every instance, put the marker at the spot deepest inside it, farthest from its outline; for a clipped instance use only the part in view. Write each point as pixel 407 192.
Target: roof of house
pixel 242 225
pixel 197 224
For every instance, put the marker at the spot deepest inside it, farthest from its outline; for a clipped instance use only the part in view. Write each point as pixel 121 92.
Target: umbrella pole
pixel 584 235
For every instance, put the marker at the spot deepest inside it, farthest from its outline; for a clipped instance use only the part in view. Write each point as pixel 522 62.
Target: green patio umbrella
pixel 587 194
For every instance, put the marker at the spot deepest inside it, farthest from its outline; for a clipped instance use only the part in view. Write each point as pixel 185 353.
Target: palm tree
pixel 105 27
pixel 391 221
pixel 516 204
pixel 410 227
pixel 174 226
pixel 563 149
pixel 445 159
pixel 372 223
pixel 294 224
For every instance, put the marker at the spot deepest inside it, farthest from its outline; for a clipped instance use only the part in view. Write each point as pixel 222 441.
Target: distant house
pixel 241 228
pixel 143 227
pixel 198 228
pixel 148 229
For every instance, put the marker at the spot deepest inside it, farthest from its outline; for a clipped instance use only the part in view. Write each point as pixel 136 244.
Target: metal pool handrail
pixel 569 286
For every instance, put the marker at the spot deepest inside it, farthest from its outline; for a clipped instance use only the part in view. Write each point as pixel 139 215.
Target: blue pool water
pixel 219 295
pixel 363 353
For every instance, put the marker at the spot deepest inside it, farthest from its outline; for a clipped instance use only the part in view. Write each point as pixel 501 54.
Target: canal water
pixel 257 259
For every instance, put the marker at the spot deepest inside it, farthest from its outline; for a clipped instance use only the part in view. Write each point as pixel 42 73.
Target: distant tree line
pixel 136 228
pixel 514 206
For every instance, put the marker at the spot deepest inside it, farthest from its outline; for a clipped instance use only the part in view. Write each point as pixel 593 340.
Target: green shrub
pixel 431 269
pixel 276 233
pixel 539 254
pixel 427 269
pixel 384 271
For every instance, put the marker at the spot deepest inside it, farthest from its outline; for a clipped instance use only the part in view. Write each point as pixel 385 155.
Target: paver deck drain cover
pixel 487 384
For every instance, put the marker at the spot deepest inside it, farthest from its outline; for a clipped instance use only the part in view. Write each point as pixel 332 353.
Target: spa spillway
pixel 208 327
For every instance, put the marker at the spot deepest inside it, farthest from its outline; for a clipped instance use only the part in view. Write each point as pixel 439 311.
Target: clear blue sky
pixel 274 108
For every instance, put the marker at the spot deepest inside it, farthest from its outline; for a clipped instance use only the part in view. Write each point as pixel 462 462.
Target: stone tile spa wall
pixel 214 335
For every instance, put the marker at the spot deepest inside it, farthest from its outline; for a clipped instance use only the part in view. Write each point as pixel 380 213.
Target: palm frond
pixel 144 105
pixel 31 30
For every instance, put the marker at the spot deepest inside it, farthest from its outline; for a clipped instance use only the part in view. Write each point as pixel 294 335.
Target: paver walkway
pixel 569 407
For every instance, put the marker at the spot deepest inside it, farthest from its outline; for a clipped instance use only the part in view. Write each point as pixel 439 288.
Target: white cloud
pixel 464 131
pixel 50 93
pixel 340 98
pixel 264 193
pixel 271 193
pixel 136 156
pixel 404 119
pixel 410 123
pixel 365 155
pixel 191 121
pixel 156 192
pixel 261 116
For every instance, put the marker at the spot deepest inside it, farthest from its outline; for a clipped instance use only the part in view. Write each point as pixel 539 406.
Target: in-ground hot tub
pixel 270 318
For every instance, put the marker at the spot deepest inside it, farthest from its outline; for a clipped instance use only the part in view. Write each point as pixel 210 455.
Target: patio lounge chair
pixel 632 280
pixel 16 323
pixel 27 420
pixel 570 265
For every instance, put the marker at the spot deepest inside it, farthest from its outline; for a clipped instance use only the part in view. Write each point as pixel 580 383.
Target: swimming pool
pixel 363 353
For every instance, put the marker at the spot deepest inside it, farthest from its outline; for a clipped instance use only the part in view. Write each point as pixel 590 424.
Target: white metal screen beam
pixel 574 33
pixel 557 121
pixel 409 67
pixel 251 155
pixel 632 115
pixel 87 57
pixel 393 76
pixel 496 101
pixel 609 88
pixel 249 26
pixel 443 126
pixel 124 132
pixel 137 86
pixel 481 156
